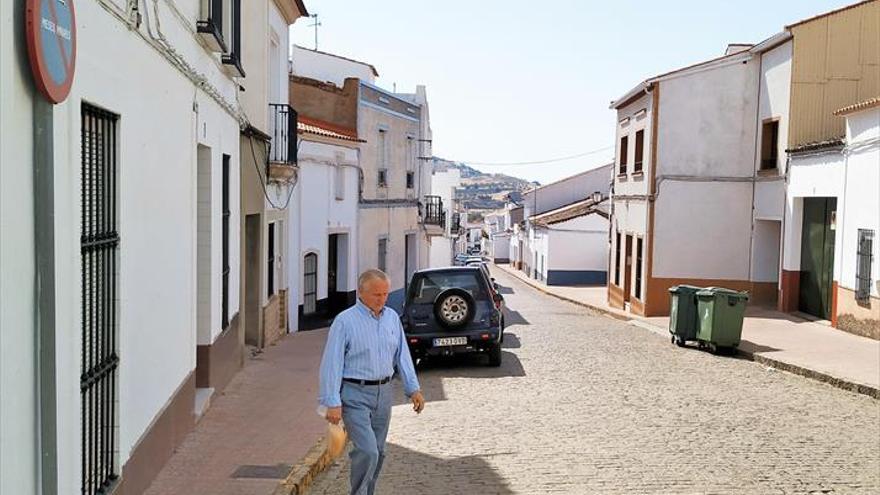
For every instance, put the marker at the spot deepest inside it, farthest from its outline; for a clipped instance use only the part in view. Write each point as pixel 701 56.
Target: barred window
pixel 99 242
pixel 864 258
pixel 310 284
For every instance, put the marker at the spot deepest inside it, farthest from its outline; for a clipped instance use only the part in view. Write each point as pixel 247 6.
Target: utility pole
pixel 315 25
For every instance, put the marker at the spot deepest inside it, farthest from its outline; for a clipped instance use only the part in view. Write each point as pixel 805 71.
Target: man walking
pixel 365 345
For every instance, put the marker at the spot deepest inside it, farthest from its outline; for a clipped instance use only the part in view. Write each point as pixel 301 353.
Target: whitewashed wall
pixel 579 244
pixel 316 213
pixel 323 67
pixel 18 418
pixel 157 133
pixel 707 131
pixel 861 204
pixel 500 246
pixel 814 175
pixel 567 191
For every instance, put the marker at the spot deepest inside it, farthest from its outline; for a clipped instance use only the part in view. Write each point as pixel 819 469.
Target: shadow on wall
pixel 406 469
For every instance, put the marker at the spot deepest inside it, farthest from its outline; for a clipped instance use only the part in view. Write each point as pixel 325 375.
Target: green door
pixel 817 256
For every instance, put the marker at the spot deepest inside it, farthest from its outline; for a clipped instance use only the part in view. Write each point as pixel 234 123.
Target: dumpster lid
pixel 675 289
pixel 713 291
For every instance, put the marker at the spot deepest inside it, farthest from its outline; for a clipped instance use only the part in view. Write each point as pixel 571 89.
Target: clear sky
pixel 522 81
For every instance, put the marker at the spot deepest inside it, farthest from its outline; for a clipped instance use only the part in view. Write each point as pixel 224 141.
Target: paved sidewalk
pixel 265 418
pixel 771 337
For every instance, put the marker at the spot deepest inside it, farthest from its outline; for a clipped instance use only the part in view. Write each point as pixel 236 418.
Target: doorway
pixel 335 304
pixel 628 273
pixel 252 286
pixel 817 256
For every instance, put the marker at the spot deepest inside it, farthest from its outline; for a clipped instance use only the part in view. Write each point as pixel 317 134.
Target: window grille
pixel 99 242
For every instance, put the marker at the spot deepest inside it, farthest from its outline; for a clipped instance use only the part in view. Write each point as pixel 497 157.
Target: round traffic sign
pixel 51 40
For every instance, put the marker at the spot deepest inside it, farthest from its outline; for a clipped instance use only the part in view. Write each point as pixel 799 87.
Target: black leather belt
pixel 368 382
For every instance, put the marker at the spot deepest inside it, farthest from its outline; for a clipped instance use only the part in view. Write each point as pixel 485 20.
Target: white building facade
pixel 395 128
pixel 445 180
pixel 687 155
pixel 323 255
pixel 567 229
pixel 833 216
pixel 143 249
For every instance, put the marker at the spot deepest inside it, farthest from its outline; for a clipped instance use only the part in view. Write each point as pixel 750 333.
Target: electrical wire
pixel 536 162
pixel 263 183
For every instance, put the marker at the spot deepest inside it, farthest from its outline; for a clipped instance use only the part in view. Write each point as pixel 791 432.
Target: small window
pixel 383 178
pixel 232 36
pixel 864 256
pixel 624 149
pixel 340 182
pixel 410 180
pixel 381 149
pixel 638 293
pixel 640 151
pixel 769 144
pixel 383 254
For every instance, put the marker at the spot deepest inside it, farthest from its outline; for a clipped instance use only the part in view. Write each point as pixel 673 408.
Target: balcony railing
pixel 456 224
pixel 282 128
pixel 434 212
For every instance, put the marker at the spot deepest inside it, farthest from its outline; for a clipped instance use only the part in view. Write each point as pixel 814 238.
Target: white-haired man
pixel 365 345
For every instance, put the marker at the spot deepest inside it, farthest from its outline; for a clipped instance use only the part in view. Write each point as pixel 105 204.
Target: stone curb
pixel 302 474
pixel 841 383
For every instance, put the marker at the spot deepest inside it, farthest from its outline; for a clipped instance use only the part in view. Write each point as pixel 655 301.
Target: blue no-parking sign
pixel 51 40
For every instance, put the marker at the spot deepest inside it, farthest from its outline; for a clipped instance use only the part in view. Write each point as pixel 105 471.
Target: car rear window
pixel 430 285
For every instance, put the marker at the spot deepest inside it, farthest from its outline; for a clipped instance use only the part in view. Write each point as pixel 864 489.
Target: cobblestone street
pixel 585 404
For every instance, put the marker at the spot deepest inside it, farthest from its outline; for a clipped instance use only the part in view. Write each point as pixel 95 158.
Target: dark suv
pixel 453 310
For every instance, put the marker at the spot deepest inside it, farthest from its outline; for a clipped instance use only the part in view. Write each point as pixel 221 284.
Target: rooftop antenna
pixel 315 25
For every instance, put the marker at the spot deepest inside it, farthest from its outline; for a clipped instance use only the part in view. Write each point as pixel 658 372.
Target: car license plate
pixel 447 341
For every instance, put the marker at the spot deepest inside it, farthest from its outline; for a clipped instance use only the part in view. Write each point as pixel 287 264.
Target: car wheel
pixel 454 308
pixel 495 356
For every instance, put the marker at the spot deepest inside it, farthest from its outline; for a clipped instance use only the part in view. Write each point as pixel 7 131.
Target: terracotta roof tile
pixel 317 127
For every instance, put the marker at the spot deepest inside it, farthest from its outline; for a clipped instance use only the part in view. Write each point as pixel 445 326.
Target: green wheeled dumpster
pixel 683 318
pixel 721 313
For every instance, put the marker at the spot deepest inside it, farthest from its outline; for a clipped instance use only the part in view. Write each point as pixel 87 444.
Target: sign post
pixel 50 31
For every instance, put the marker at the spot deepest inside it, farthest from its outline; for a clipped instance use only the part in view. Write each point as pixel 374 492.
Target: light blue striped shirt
pixel 364 347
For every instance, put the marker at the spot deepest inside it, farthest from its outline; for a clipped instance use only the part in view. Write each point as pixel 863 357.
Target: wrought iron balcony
pixel 456 224
pixel 434 213
pixel 282 129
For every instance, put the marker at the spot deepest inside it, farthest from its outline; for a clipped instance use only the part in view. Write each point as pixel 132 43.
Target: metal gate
pixel 99 243
pixel 817 256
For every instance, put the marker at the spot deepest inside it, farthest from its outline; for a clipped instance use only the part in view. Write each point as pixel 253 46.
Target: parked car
pixel 460 259
pixel 453 310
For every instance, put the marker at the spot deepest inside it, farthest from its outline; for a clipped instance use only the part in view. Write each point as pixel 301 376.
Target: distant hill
pixel 481 192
